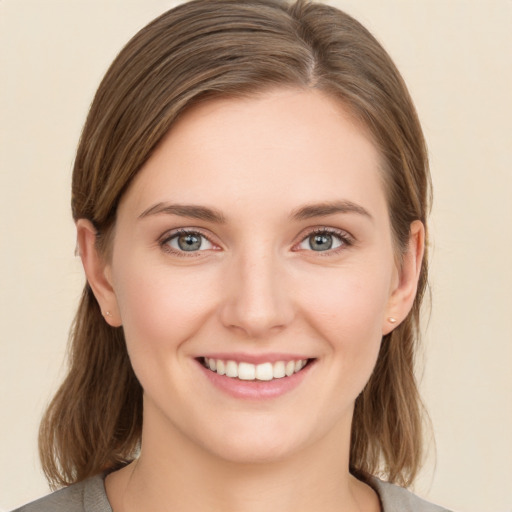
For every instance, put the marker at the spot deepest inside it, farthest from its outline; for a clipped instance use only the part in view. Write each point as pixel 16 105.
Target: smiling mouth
pixel 248 371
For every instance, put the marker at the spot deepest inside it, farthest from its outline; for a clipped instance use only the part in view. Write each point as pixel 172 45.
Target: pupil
pixel 321 242
pixel 189 242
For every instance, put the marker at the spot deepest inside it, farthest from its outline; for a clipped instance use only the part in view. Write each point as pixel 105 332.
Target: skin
pixel 256 287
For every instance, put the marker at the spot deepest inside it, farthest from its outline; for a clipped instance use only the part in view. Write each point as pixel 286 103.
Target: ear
pixel 404 292
pixel 97 271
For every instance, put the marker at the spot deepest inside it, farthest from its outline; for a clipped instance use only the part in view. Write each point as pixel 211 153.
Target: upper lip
pixel 255 358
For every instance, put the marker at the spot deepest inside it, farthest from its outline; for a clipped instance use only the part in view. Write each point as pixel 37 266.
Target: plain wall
pixel 456 58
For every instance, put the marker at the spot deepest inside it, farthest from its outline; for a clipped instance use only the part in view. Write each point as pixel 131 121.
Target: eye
pixel 323 240
pixel 187 241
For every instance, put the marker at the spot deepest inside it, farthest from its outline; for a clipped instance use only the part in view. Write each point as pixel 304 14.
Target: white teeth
pixel 248 371
pixel 231 369
pixel 279 370
pixel 264 371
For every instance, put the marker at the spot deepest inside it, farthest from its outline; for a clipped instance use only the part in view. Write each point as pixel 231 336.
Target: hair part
pixel 195 52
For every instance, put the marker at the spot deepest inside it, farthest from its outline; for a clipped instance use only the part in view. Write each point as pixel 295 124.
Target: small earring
pixel 392 320
pixel 107 313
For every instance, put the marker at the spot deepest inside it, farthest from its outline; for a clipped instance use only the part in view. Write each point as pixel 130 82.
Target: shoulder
pixel 398 499
pixel 86 496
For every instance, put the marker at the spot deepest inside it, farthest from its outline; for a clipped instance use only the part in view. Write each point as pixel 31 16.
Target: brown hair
pixel 194 52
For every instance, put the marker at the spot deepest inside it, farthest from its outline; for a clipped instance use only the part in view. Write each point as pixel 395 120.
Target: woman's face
pixel 257 236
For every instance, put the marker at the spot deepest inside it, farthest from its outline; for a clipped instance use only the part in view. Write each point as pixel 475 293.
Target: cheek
pixel 348 301
pixel 160 306
pixel 347 312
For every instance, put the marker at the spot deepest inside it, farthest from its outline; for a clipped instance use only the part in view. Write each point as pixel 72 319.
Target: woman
pixel 250 194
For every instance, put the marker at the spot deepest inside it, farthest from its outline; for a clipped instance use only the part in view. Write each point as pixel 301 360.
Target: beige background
pixel 456 57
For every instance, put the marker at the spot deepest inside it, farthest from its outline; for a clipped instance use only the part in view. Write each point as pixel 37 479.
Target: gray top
pixel 90 496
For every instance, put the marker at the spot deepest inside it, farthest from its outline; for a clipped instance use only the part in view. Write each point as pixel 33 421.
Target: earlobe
pixel 97 272
pixel 402 297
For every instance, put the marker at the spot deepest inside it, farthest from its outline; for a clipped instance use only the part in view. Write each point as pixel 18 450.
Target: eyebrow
pixel 308 211
pixel 186 210
pixel 329 208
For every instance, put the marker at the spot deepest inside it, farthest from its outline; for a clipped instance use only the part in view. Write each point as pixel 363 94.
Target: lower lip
pixel 255 389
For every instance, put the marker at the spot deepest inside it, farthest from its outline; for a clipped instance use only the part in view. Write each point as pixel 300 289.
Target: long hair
pixel 197 51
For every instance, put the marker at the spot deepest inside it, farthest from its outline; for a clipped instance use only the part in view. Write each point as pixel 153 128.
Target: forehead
pixel 282 147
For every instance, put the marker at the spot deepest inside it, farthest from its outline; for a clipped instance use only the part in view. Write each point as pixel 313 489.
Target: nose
pixel 257 301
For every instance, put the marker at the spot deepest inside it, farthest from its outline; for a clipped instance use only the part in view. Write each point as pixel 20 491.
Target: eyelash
pixel 164 243
pixel 346 241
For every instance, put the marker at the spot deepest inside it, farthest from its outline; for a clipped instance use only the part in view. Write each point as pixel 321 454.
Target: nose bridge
pixel 257 301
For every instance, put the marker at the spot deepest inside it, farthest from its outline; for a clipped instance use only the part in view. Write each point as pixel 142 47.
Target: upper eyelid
pixel 325 229
pixel 342 233
pixel 168 235
pixel 348 241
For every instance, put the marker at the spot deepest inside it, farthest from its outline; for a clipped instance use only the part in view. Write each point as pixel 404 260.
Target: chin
pixel 255 439
pixel 263 450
